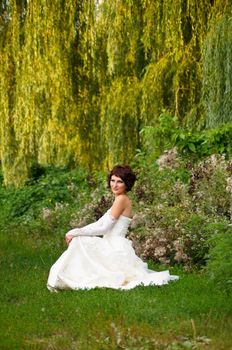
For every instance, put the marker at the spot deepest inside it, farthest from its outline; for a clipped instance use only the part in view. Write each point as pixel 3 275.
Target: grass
pixel 188 314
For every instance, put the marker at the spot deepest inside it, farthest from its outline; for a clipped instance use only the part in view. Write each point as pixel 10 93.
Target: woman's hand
pixel 68 239
pixel 70 234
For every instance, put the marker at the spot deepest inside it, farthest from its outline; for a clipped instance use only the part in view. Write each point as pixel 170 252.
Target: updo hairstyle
pixel 125 173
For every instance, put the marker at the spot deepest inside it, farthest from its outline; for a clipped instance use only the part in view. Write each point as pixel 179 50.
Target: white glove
pixel 98 228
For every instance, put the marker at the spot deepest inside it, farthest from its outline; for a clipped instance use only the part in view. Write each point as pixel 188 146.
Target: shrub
pixel 178 205
pixel 209 186
pixel 46 204
pixel 192 144
pixel 219 265
pixel 56 186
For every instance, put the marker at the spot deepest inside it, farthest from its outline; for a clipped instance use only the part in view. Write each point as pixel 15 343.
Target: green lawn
pixel 187 314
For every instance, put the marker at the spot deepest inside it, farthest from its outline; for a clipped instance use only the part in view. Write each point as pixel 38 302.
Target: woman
pixel 109 261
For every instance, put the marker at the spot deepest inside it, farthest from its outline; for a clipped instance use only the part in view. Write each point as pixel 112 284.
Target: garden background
pixel 88 84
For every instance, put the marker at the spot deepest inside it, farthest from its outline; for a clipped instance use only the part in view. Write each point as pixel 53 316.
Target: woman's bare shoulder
pixel 121 206
pixel 122 198
pixel 121 203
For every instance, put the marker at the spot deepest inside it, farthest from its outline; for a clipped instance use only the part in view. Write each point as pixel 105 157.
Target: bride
pixel 99 255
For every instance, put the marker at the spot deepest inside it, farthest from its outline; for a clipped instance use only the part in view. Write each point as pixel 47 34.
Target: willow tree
pixel 217 83
pixel 173 42
pixel 42 92
pixel 120 24
pixel 87 61
pixel 79 79
pixel 9 20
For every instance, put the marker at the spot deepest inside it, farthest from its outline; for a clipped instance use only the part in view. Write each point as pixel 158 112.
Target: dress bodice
pixel 120 228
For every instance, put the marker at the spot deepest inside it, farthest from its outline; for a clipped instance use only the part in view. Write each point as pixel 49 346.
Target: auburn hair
pixel 125 173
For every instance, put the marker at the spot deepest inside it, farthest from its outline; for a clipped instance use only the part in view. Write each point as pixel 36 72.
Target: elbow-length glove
pixel 98 228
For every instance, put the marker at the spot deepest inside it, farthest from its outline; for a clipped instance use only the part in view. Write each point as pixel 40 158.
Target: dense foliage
pixel 86 84
pixel 168 134
pixel 182 208
pixel 217 71
pixel 80 79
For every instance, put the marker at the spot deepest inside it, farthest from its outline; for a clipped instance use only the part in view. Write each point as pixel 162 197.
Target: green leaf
pixel 192 147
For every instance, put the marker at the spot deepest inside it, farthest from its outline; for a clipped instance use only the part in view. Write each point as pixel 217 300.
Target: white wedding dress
pixel 109 261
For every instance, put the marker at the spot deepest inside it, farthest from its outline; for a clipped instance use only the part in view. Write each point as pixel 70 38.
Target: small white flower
pixel 46 213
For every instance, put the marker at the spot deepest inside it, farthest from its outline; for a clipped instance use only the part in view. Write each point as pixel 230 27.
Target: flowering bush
pixel 176 214
pixel 178 206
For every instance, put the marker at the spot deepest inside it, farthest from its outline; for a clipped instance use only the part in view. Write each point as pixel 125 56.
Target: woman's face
pixel 117 185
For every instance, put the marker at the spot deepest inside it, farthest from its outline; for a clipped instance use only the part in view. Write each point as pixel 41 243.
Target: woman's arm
pixel 98 228
pixel 104 224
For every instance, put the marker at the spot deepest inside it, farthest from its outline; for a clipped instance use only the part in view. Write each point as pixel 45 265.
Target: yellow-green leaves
pixel 79 79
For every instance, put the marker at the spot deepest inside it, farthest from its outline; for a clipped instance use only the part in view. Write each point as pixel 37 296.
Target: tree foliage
pixel 79 79
pixel 217 71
